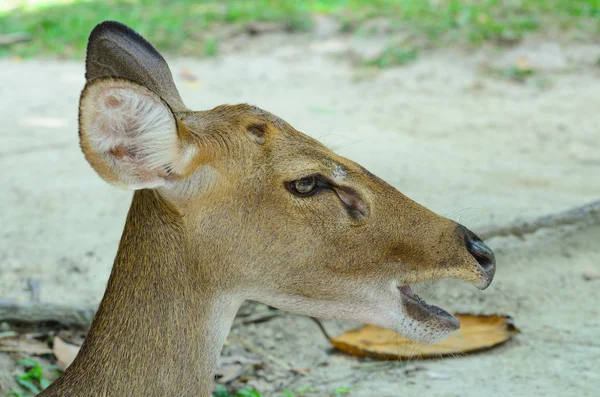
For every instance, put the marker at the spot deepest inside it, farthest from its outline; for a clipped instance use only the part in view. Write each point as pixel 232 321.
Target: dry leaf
pixel 24 344
pixel 65 352
pixel 523 64
pixel 232 367
pixel 229 373
pixel 476 333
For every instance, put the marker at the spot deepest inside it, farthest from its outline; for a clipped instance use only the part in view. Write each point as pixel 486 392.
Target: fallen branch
pixel 586 213
pixel 35 313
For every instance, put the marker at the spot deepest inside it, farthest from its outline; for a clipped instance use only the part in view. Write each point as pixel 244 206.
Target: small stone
pixel 588 276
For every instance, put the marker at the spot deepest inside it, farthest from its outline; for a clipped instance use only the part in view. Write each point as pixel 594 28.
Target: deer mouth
pixel 421 312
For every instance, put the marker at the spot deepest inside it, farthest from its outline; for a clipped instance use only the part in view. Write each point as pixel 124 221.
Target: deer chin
pixel 423 322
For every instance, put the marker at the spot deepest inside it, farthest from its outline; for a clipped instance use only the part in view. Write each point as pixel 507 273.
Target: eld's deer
pixel 231 204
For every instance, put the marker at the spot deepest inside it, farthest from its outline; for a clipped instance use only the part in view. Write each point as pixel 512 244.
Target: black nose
pixel 481 252
pixel 484 255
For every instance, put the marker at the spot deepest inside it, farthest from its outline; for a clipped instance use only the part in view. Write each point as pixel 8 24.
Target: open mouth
pixel 422 312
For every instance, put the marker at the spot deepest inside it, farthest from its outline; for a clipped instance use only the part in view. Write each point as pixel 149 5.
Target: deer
pixel 233 204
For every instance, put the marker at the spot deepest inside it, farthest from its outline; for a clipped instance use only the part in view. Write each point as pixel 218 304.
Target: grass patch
pixel 33 381
pixel 221 391
pixel 517 74
pixel 61 27
pixel 394 56
pixel 211 46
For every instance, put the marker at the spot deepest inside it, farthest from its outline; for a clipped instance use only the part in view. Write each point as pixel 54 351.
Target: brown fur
pixel 227 229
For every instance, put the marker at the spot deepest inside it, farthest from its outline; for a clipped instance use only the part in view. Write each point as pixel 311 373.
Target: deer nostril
pixel 482 253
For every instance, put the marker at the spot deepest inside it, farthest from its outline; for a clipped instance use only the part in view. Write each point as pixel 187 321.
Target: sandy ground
pixel 445 131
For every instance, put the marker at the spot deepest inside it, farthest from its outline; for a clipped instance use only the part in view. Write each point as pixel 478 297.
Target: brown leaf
pixel 229 373
pixel 476 333
pixel 232 367
pixel 24 344
pixel 523 64
pixel 65 352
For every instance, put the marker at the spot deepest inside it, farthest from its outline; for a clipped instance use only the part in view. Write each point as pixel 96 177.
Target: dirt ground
pixel 445 130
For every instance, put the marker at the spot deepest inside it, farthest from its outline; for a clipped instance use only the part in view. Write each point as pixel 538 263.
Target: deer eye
pixel 305 186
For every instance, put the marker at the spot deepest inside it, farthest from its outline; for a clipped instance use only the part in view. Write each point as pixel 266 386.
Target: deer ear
pixel 130 135
pixel 115 50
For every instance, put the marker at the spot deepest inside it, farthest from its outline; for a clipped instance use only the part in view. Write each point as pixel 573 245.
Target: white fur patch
pixel 405 325
pixel 339 172
pixel 200 181
pixel 135 132
pixel 378 304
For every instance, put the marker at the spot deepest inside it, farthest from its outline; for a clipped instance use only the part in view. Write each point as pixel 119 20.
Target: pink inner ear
pixel 352 201
pixel 112 101
pixel 119 151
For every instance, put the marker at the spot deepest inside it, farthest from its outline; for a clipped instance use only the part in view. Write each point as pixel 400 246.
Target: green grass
pixel 211 46
pixel 61 27
pixel 394 56
pixel 221 391
pixel 33 381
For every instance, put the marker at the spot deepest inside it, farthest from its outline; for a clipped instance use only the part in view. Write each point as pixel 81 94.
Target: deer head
pixel 233 203
pixel 269 213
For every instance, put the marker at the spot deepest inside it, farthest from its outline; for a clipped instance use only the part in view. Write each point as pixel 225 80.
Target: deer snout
pixel 482 253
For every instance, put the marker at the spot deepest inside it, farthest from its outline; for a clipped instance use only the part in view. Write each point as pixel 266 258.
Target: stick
pixel 586 213
pixel 259 351
pixel 322 328
pixel 256 318
pixel 33 313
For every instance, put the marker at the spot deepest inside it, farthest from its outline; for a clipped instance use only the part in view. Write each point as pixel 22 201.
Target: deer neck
pixel 161 325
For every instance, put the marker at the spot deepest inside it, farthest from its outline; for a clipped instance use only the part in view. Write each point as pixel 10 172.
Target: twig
pixel 321 327
pixel 257 318
pixel 259 351
pixel 586 213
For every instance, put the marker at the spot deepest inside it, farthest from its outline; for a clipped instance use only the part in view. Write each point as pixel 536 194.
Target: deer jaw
pixel 256 210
